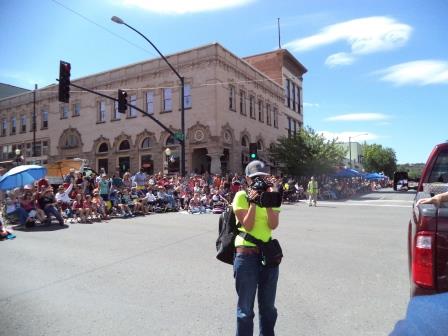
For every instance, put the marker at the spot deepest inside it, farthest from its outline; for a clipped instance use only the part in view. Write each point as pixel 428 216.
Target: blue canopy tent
pixel 347 173
pixel 374 176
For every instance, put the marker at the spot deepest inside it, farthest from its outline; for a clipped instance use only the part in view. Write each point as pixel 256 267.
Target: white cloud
pixel 346 136
pixel 365 36
pixel 359 117
pixel 177 7
pixel 339 59
pixel 424 72
pixel 305 104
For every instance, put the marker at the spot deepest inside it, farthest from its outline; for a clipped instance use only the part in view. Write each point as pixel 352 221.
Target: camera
pixel 264 198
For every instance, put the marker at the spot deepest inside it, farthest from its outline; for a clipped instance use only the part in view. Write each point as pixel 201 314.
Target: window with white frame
pixel 167 100
pixel 268 114
pixel 64 111
pixel 260 111
pixel 101 111
pixel 44 119
pixel 22 123
pixel 232 98
pixel 13 126
pixel 252 107
pixel 76 109
pixel 150 102
pixel 133 111
pixel 45 148
pixel 242 102
pixel 116 115
pixel 187 96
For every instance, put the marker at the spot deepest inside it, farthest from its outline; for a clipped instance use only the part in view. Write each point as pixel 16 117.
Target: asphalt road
pixel 344 273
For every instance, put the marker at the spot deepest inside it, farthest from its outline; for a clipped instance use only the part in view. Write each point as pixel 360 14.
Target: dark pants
pixel 51 210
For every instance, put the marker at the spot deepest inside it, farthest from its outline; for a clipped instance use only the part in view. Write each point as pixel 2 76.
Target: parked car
pixel 428 229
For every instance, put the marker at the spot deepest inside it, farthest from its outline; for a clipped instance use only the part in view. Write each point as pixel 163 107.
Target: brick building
pixel 229 103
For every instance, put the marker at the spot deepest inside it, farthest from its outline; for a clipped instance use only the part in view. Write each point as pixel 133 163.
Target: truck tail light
pixel 423 259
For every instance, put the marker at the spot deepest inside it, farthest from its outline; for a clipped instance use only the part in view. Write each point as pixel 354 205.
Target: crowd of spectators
pixel 85 199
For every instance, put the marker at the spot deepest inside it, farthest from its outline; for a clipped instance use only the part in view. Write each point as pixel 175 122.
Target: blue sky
pixel 377 69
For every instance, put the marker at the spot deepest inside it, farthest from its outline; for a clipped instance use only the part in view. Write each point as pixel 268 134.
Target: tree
pixel 379 159
pixel 307 153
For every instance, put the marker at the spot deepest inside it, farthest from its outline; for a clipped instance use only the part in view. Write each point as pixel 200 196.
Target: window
pixel 44 147
pixel 38 149
pixel 252 107
pixel 289 127
pixel 150 102
pixel 167 100
pixel 64 111
pixel 299 104
pixel 101 111
pixel 244 141
pixel 171 141
pixel 295 127
pixel 133 111
pixel 187 96
pixel 23 124
pixel 275 111
pixel 268 114
pixel 116 114
pixel 71 141
pixel 124 145
pixel 29 149
pixel 103 148
pixel 4 126
pixel 13 125
pixel 232 98
pixel 76 109
pixel 242 102
pixel 260 111
pixel 293 95
pixel 103 164
pixel 288 92
pixel 44 119
pixel 259 145
pixel 146 143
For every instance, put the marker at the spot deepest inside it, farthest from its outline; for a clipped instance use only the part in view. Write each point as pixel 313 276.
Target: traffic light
pixel 64 82
pixel 253 155
pixel 122 101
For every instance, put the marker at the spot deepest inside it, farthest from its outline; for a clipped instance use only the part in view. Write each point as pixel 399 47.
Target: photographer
pixel 249 272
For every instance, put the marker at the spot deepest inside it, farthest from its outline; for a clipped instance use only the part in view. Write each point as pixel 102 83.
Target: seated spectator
pixel 64 201
pixel 151 200
pixel 47 204
pixel 137 199
pixel 14 209
pixel 99 205
pixel 78 209
pixel 5 234
pixel 195 205
pixel 126 204
pixel 28 204
pixel 89 210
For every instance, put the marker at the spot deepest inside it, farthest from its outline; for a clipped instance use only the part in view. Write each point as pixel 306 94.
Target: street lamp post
pixel 167 159
pixel 350 145
pixel 18 158
pixel 182 116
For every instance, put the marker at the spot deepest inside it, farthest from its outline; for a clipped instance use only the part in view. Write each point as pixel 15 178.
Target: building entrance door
pixel 124 163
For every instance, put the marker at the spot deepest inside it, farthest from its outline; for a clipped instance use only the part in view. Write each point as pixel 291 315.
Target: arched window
pixel 104 148
pixel 171 141
pixel 244 141
pixel 124 145
pixel 146 143
pixel 260 145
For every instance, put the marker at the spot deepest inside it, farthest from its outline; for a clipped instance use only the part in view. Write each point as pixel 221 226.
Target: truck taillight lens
pixel 423 259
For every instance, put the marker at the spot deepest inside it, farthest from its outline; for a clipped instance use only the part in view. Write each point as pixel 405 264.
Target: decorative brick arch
pixel 244 134
pixel 142 136
pixel 98 142
pixel 199 134
pixel 227 135
pixel 70 139
pixel 119 139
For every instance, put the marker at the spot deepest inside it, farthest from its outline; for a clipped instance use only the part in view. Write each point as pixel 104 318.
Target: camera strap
pixel 251 239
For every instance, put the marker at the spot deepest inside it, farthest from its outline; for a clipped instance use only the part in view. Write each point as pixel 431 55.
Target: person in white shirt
pixel 63 199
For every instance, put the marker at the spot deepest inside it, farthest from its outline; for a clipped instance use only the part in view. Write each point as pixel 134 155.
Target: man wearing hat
pixel 250 275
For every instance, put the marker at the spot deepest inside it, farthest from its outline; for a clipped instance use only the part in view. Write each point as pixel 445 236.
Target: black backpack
pixel 227 231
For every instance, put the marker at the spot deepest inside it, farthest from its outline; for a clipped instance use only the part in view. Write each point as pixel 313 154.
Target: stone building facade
pixel 229 103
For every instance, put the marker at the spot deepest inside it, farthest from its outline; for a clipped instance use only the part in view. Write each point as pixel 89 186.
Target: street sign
pixel 179 136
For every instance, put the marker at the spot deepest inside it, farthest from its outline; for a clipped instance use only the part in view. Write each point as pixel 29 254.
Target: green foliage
pixel 379 159
pixel 306 154
pixel 414 169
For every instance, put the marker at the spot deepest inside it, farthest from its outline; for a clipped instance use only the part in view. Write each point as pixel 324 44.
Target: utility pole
pixel 34 120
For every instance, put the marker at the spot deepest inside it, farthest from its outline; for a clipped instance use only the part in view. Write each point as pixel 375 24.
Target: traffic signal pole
pixel 132 106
